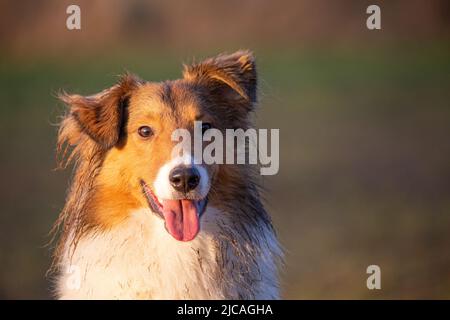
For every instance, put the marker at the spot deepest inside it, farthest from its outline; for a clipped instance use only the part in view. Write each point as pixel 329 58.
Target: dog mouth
pixel 181 216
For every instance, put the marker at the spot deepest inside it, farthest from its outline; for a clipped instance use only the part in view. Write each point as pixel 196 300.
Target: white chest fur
pixel 139 259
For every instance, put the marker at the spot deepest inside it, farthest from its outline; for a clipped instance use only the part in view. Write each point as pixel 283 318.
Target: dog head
pixel 133 122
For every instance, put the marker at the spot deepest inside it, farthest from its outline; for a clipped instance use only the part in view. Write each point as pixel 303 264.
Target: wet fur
pixel 106 228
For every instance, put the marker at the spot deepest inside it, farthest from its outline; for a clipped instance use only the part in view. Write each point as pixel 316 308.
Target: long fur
pixel 235 256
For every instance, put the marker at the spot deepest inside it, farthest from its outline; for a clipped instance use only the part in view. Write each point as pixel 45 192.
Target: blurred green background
pixel 364 121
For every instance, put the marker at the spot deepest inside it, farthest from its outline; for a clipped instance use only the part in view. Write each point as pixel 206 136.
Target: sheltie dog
pixel 139 223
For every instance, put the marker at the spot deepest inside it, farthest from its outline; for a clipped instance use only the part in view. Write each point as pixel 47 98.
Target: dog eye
pixel 145 131
pixel 205 126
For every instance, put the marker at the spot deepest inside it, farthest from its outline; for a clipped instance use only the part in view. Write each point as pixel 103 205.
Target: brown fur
pixel 100 131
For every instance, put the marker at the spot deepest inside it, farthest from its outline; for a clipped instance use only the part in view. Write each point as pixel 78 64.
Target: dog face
pixel 133 123
pixel 155 112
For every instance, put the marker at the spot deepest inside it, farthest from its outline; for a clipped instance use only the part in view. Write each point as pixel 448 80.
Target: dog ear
pixel 229 78
pixel 102 116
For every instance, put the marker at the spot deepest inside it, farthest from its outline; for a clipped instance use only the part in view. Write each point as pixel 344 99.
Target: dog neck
pixel 139 259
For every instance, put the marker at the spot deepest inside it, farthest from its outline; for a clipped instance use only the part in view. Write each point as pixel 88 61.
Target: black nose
pixel 184 179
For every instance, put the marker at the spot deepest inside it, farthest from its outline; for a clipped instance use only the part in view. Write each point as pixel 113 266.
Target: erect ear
pixel 103 115
pixel 231 78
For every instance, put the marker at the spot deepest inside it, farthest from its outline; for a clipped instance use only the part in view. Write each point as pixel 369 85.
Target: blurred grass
pixel 364 175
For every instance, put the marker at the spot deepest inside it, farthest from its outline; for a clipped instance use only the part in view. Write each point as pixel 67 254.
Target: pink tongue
pixel 181 219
